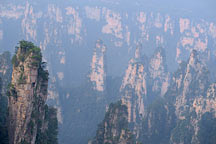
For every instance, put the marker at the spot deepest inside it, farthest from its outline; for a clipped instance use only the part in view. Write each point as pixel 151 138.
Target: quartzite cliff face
pixel 145 79
pixel 27 96
pixel 135 83
pixel 181 112
pixel 98 67
pixel 182 116
pixel 194 96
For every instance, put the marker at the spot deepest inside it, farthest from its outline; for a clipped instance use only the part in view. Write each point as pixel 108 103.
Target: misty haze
pixel 107 72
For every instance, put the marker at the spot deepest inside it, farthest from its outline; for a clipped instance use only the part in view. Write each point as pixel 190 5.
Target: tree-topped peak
pixel 26 49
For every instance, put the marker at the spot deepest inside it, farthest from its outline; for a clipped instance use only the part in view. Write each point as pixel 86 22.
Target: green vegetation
pixel 22 79
pixel 43 74
pixel 52 131
pixel 25 49
pixel 115 118
pixel 183 131
pixel 3 115
pixel 12 91
pixel 31 126
pixel 5 79
pixel 158 122
pixel 15 61
pixel 24 142
pixel 46 128
pixel 49 136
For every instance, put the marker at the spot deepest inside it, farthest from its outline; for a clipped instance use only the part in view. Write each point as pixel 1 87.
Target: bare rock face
pixel 158 73
pixel 192 83
pixel 98 67
pixel 206 103
pixel 114 128
pixel 193 96
pixel 144 80
pixel 134 87
pixel 186 113
pixel 164 110
pixel 27 94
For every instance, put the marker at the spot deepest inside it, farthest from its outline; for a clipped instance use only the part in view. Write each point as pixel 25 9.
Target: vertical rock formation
pixel 98 67
pixel 189 82
pixel 134 87
pixel 187 110
pixel 5 70
pixel 27 96
pixel 161 111
pixel 145 79
pixel 114 128
pixel 159 121
pixel 193 96
pixel 5 78
pixel 158 73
